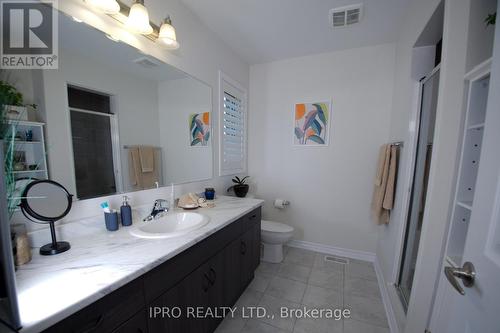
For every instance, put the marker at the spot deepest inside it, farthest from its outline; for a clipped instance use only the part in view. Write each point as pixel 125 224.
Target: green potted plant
pixel 491 19
pixel 240 186
pixel 13 105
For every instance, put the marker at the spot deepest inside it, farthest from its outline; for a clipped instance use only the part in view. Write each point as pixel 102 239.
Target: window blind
pixel 233 128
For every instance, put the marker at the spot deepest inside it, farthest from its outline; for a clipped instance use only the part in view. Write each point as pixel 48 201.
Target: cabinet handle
pixel 243 248
pixel 206 283
pixel 253 217
pixel 96 324
pixel 213 274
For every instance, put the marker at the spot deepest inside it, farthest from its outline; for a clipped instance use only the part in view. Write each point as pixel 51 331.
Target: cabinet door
pixel 217 291
pixel 232 272
pixel 182 302
pixel 136 324
pixel 256 245
pixel 173 301
pixel 247 262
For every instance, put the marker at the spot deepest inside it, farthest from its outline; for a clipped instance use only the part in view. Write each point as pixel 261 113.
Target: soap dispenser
pixel 126 212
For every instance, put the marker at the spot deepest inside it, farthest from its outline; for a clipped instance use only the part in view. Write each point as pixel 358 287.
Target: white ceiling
pixel 267 30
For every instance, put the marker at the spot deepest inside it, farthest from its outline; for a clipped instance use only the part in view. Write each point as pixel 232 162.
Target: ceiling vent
pixel 345 16
pixel 147 62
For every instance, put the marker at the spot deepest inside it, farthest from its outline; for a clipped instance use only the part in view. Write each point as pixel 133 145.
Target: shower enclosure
pixel 429 86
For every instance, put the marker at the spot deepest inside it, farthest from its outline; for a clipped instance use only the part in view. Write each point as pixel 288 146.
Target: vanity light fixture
pixel 167 34
pixel 138 18
pixel 107 6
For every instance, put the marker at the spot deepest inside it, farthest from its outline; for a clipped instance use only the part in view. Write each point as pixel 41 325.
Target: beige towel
pixel 388 203
pixel 385 179
pixel 140 180
pixel 147 156
pixel 134 167
pixel 380 166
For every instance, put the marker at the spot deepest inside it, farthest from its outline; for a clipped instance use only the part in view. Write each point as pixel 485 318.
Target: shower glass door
pixel 427 117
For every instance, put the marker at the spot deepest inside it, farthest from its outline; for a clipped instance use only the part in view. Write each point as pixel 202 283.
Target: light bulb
pixel 106 6
pixel 138 18
pixel 167 34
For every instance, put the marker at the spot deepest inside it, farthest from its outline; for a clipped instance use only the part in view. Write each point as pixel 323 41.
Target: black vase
pixel 241 190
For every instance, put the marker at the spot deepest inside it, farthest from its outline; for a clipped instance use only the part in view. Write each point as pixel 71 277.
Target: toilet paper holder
pixel 281 203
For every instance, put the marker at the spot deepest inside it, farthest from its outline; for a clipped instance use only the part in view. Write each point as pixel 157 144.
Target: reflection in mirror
pixel 111 119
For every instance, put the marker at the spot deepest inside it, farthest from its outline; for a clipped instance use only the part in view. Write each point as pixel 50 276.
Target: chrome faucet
pixel 160 208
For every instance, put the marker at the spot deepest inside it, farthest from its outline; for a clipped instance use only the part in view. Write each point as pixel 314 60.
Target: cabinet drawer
pixel 250 219
pixel 106 314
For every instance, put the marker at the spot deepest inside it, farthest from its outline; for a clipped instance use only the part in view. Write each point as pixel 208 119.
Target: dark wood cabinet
pixel 184 294
pixel 136 324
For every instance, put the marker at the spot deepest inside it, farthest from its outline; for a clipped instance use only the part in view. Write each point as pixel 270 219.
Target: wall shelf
pixel 477 126
pixel 478 87
pixel 33 152
pixel 466 205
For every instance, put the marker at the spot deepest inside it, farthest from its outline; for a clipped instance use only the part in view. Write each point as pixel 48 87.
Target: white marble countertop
pixel 50 288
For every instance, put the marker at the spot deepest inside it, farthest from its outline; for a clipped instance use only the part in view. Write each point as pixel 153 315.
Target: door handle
pixel 467 274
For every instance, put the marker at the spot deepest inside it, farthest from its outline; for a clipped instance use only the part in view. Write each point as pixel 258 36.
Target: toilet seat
pixel 271 226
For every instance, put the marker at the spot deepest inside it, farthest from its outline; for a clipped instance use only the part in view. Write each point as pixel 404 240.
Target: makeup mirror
pixel 46 201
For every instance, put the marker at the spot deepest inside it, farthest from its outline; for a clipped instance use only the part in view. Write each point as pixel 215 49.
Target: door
pixel 476 309
pixel 429 87
pixel 93 153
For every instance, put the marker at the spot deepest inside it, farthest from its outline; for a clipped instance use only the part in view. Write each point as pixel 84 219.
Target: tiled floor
pixel 305 279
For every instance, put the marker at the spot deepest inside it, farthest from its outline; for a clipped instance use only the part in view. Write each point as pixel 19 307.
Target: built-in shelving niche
pixel 478 84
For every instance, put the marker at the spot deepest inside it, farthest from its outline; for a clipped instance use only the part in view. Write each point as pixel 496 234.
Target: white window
pixel 233 126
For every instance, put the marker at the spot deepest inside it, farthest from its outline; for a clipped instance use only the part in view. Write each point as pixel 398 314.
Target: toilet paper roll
pixel 281 203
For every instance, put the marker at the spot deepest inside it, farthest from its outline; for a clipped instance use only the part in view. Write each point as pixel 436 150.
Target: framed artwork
pixel 312 124
pixel 199 129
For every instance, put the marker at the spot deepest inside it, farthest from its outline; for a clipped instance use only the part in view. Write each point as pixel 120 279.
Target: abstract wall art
pixel 312 124
pixel 199 129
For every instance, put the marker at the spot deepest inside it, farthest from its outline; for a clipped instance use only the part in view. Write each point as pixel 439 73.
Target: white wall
pixel 329 188
pixel 444 157
pixel 177 100
pixel 135 102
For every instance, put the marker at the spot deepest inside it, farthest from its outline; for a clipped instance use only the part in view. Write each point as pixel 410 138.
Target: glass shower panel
pixel 93 154
pixel 429 96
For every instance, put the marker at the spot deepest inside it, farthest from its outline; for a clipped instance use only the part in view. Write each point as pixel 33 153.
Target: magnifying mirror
pixel 46 201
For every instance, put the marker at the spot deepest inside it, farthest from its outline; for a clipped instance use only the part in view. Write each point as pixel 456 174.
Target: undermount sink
pixel 170 225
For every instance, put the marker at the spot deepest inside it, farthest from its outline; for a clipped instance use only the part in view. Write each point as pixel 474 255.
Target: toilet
pixel 273 236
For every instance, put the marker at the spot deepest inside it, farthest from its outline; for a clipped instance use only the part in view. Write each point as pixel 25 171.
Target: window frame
pixel 224 79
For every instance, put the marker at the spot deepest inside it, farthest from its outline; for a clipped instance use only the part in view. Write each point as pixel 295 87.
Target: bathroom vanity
pixel 112 281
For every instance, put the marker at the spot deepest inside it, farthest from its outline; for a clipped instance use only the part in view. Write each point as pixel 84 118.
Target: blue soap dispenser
pixel 126 212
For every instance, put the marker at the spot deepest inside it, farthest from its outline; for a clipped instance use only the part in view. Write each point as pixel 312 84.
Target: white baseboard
pixel 359 255
pixel 333 250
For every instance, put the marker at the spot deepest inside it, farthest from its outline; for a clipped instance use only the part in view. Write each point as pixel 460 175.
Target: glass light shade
pixel 167 36
pixel 138 19
pixel 107 6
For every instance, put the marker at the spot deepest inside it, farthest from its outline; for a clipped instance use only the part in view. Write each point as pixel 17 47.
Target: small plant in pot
pixel 240 187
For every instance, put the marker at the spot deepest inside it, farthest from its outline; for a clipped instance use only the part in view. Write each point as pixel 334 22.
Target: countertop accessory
pixel 240 187
pixel 111 220
pixel 46 201
pixel 209 193
pixel 188 201
pixel 23 250
pixel 126 212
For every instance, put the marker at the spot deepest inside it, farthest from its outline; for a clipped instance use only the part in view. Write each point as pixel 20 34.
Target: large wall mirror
pixel 111 119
